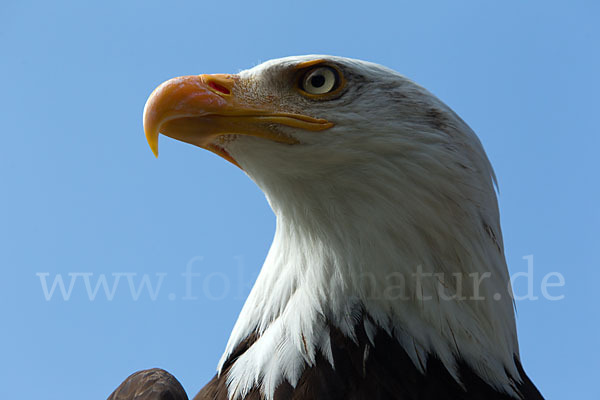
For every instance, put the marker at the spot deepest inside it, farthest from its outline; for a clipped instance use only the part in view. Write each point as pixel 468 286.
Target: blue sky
pixel 81 192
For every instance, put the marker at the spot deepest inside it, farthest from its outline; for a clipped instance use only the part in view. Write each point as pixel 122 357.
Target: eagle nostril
pixel 218 88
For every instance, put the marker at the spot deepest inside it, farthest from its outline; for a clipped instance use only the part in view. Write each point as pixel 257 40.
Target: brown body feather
pixel 363 371
pixel 373 371
pixel 149 384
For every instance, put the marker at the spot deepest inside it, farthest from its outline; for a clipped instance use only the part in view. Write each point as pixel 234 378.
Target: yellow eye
pixel 320 80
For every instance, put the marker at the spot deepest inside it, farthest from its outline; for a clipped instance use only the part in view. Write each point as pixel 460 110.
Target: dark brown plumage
pixel 373 371
pixel 149 384
pixel 363 371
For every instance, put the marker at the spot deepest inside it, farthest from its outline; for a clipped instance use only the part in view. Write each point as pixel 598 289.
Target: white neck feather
pixel 326 264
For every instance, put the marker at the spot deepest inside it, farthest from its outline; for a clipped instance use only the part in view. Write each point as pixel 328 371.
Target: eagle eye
pixel 320 80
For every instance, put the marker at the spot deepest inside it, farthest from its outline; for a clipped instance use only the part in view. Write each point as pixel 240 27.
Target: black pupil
pixel 317 80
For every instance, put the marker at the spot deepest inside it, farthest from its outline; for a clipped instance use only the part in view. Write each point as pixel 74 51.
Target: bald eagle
pixel 386 278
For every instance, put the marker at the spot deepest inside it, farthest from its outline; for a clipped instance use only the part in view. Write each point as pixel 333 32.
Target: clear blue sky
pixel 82 193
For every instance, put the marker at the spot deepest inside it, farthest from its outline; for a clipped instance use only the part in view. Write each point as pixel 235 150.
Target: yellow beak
pixel 199 109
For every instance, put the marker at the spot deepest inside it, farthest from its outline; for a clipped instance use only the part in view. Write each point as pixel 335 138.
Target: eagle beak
pixel 203 109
